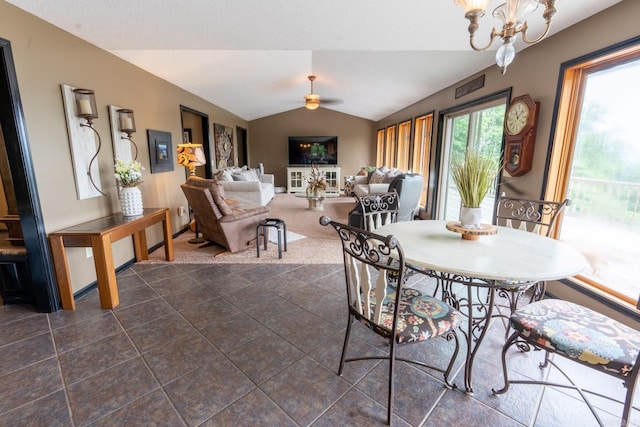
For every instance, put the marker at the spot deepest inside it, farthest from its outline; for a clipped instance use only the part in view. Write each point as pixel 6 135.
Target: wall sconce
pixel 127 124
pixel 512 14
pixel 86 109
pixel 190 156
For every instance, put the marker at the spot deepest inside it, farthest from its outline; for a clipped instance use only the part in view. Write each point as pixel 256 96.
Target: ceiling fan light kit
pixel 312 101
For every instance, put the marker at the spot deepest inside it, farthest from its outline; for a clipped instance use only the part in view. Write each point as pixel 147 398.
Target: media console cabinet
pixel 297 177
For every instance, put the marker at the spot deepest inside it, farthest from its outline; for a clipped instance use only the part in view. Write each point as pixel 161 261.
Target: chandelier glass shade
pixel 512 14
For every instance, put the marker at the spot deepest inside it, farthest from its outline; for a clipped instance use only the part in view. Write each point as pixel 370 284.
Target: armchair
pixel 408 186
pixel 218 222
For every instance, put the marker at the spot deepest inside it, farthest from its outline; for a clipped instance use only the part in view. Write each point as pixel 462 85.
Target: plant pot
pixel 470 217
pixel 131 201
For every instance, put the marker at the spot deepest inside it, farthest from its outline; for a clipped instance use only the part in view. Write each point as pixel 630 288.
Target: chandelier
pixel 512 14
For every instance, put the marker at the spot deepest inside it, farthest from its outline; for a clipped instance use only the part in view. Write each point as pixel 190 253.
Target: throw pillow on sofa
pixel 383 175
pixel 224 175
pixel 246 175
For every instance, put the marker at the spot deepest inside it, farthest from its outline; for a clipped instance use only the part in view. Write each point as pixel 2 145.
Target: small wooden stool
pixel 262 228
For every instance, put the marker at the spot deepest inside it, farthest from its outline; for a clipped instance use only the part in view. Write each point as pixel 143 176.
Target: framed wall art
pixel 223 137
pixel 160 151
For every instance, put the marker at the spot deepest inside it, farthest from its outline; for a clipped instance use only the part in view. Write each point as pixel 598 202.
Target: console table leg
pixel 105 271
pixel 61 267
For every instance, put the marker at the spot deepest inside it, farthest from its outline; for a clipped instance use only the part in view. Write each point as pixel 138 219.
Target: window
pixel 390 147
pixel 404 143
pixel 422 129
pixel 380 148
pixel 478 127
pixel 595 162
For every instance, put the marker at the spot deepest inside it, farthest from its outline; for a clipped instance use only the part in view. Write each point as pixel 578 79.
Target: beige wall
pixel 535 71
pixel 46 57
pixel 268 139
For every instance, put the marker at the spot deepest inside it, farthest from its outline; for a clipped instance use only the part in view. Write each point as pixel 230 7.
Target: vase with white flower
pixel 128 176
pixel 316 184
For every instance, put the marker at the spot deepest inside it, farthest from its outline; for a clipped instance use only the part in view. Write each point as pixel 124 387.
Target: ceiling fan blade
pixel 331 101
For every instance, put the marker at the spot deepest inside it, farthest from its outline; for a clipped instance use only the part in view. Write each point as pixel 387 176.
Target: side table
pixel 349 183
pixel 263 229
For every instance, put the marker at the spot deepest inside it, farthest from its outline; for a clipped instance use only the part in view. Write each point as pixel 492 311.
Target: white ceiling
pixel 252 57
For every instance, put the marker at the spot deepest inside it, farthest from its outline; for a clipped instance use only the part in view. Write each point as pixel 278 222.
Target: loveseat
pixel 376 181
pixel 250 187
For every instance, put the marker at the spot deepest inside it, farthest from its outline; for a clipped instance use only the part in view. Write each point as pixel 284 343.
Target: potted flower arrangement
pixel 128 177
pixel 474 174
pixel 316 184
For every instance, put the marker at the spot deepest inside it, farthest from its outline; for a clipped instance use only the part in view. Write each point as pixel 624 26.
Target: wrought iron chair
pixel 398 314
pixel 379 209
pixel 535 216
pixel 583 336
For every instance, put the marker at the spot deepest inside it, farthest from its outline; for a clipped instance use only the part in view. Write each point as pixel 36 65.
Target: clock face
pixel 517 117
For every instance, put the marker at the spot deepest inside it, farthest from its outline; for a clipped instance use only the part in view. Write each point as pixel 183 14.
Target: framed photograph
pixel 187 135
pixel 160 151
pixel 223 136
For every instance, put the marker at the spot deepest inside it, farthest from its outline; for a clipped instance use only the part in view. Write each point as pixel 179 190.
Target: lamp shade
pixel 86 104
pixel 126 122
pixel 191 155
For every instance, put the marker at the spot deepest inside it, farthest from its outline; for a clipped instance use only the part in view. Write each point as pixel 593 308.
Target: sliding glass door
pixel 480 128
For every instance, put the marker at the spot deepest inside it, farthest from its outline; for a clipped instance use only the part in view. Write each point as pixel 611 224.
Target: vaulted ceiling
pixel 252 57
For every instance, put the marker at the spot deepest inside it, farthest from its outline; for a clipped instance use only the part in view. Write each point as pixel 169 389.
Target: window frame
pixel 432 201
pixel 421 150
pixel 390 146
pixel 564 127
pixel 403 145
pixel 380 147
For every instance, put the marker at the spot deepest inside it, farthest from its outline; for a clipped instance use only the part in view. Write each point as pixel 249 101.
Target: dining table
pixel 469 272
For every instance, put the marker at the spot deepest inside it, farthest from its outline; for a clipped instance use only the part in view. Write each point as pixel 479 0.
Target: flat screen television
pixel 307 150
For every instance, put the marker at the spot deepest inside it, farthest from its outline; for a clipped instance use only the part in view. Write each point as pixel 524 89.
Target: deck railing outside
pixel 616 202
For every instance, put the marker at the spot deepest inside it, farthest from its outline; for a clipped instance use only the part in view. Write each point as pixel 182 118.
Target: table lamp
pixel 192 155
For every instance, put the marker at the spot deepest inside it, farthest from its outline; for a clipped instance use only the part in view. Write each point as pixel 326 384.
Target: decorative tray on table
pixel 472 233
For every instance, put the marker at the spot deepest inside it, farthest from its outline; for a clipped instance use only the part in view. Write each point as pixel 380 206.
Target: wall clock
pixel 520 125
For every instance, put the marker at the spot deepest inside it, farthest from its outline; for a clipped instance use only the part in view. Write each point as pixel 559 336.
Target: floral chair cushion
pixel 421 317
pixel 579 333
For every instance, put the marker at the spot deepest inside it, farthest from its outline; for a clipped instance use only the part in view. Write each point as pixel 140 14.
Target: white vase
pixel 470 217
pixel 131 201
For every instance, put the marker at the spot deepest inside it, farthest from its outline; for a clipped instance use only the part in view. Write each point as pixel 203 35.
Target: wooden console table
pixel 99 234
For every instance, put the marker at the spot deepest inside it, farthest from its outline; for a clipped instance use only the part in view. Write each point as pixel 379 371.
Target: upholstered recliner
pixel 218 222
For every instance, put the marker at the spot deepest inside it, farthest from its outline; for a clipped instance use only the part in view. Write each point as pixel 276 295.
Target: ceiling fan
pixel 312 100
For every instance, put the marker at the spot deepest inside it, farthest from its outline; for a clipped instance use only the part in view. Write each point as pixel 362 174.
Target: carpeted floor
pixel 319 246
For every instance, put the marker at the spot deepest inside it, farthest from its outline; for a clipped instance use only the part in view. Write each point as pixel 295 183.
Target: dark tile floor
pixel 218 345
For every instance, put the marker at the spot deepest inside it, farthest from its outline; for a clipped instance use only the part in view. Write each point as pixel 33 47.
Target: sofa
pixel 251 187
pixel 375 181
pixel 218 219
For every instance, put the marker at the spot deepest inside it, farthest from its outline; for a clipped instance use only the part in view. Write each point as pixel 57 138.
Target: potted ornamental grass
pixel 474 175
